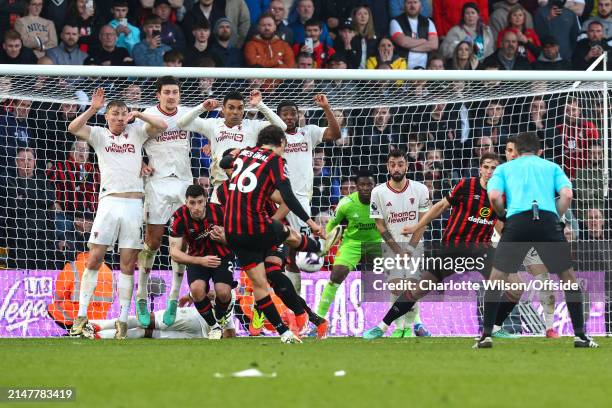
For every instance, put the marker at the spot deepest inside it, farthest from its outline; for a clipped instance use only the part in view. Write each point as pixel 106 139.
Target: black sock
pixel 266 305
pixel 575 306
pixel 283 288
pixel 308 245
pixel 204 307
pixel 220 308
pixel 312 316
pixel 402 305
pixel 491 305
pixel 505 308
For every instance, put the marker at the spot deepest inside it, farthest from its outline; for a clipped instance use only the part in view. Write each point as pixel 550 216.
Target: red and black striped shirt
pixel 257 172
pixel 472 218
pixel 76 186
pixel 270 206
pixel 196 232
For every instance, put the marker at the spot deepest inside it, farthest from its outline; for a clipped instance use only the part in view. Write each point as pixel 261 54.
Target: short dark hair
pixel 267 14
pixel 120 3
pixel 195 190
pixel 396 154
pixel 488 156
pixel 206 62
pixel 271 135
pixel 116 103
pixel 234 96
pixel 202 24
pixel 511 139
pixel 313 22
pixel 527 142
pixel 166 80
pixel 11 35
pixel 595 22
pixel 152 19
pixel 363 173
pixel 285 104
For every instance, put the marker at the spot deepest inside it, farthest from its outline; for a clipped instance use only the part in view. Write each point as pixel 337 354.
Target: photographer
pixel 589 49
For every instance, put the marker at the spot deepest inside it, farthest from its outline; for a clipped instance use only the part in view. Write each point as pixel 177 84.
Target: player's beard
pixel 398 177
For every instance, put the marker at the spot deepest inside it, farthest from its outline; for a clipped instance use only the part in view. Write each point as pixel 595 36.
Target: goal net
pixel 443 120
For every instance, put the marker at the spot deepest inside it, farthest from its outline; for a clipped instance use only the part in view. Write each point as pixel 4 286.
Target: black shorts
pixel 521 232
pixel 448 260
pixel 224 273
pixel 251 250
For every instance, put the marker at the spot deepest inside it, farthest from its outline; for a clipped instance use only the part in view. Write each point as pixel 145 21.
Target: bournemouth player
pixel 471 221
pixel 353 209
pixel 169 156
pixel 191 225
pixel 119 150
pixel 298 155
pixel 250 232
pixel 397 203
pixel 230 131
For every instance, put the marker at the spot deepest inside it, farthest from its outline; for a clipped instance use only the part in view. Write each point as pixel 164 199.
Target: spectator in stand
pixel 386 58
pixel 575 6
pixel 13 51
pixel 82 13
pixel 127 34
pixel 482 144
pixel 352 45
pixel 171 34
pixel 397 7
pixel 550 58
pixel 278 10
pixel 463 57
pixel 499 17
pixel 529 42
pixel 132 94
pixel 324 185
pixel 320 51
pixel 257 8
pixel 150 51
pixel 26 214
pixel 52 139
pixel 537 120
pixel 574 138
pixel 595 228
pixel 306 12
pixel 492 125
pixel 334 12
pixel 589 182
pixel 561 24
pixel 378 137
pixel 266 49
pixel 37 33
pixel 414 35
pixel 236 12
pixel 202 46
pixel 590 48
pixel 108 53
pixel 347 186
pixel 10 12
pixel 68 52
pixel 227 54
pixel 15 132
pixel 471 28
pixel 56 10
pixel 507 57
pixel 173 58
pixel 450 13
pixel 604 16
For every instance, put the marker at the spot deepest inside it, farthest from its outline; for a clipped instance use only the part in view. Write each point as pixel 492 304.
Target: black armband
pixel 284 188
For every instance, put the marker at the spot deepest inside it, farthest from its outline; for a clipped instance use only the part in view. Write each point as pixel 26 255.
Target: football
pixel 308 262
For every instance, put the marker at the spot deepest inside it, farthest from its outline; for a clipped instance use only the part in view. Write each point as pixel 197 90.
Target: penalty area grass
pixel 424 372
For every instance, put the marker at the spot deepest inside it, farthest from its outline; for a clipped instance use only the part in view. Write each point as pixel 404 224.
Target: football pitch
pixel 431 372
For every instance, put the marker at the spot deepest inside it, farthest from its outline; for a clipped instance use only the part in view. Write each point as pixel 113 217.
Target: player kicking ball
pixel 118 148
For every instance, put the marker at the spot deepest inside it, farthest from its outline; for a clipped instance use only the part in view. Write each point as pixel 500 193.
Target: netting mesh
pixel 48 194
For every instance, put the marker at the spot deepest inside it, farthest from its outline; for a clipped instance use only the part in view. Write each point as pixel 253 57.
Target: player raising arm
pixel 119 150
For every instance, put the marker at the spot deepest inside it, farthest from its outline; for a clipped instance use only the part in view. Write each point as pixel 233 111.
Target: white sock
pixel 104 324
pixel 496 328
pixel 107 333
pixel 382 326
pixel 146 259
pixel 296 279
pixel 178 270
pixel 399 322
pixel 547 300
pixel 89 280
pixel 136 333
pixel 125 288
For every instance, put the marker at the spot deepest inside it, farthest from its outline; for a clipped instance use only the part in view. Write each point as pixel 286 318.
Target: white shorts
pixel 532 258
pixel 162 198
pixel 188 325
pixel 295 222
pixel 118 218
pixel 412 270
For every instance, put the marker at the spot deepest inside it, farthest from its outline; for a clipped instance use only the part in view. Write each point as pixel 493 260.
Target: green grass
pixel 432 372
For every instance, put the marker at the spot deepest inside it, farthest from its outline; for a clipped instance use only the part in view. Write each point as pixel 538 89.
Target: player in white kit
pixel 229 132
pixel 298 154
pixel 169 158
pixel 393 205
pixel 119 150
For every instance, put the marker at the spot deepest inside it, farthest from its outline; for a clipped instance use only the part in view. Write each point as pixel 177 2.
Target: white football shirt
pixel 169 153
pixel 119 158
pixel 399 208
pixel 298 155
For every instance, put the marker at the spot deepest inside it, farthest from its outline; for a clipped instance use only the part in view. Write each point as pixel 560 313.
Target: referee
pixel 530 185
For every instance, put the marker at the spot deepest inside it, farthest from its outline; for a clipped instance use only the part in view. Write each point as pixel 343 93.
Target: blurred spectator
pixel 463 57
pixel 15 132
pixel 435 61
pixel 471 28
pixel 482 144
pixel 347 187
pixel 604 16
pixel 236 12
pixel 320 51
pixel 499 16
pixel 68 52
pixel 590 48
pixel 414 35
pixel 227 54
pixel 266 49
pixel 449 13
pixel 306 12
pixel 171 34
pixel 201 46
pixel 529 42
pixel 150 51
pixel 337 11
pixel 386 57
pixel 257 8
pixel 173 58
pixel 10 12
pixel 589 184
pixel 355 47
pixel 549 58
pixel 108 53
pixel 132 95
pixel 56 10
pixel 594 228
pixel 537 120
pixel 561 24
pixel 26 203
pixel 82 14
pixel 575 6
pixel 53 141
pixel 397 7
pixel 127 35
pixel 37 33
pixel 278 11
pixel 492 124
pixel 13 51
pixel 204 181
pixel 378 137
pixel 323 184
pixel 507 57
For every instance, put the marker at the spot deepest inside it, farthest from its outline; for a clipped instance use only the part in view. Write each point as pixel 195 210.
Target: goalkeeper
pixel 361 229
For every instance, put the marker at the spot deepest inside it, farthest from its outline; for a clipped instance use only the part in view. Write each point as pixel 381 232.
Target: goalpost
pixel 443 119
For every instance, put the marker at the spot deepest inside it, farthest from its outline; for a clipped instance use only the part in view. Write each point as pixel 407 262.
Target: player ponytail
pixel 271 135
